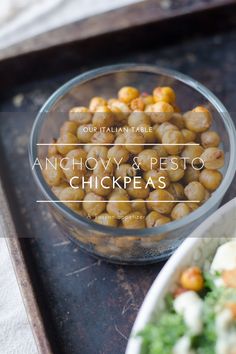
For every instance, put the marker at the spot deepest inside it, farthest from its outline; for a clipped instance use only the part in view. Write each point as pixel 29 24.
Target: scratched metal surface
pixel 91 305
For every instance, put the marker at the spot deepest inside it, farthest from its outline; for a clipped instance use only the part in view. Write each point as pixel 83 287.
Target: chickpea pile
pixel 139 127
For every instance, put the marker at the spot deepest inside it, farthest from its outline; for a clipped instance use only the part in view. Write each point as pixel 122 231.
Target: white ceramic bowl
pixel 199 248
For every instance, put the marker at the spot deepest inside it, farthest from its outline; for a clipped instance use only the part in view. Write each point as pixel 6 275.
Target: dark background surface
pixel 90 306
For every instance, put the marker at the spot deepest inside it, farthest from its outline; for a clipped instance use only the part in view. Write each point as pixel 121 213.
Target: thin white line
pixel 116 201
pixel 104 144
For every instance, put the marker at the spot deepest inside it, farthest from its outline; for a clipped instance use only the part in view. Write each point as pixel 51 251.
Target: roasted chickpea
pixel 78 154
pixel 213 158
pixel 68 127
pixel 191 175
pixel 128 94
pixel 64 140
pixel 52 149
pixel 192 279
pixel 177 190
pixel 74 168
pixel 193 206
pixel 164 94
pixel 119 109
pixel 160 112
pixel 80 115
pixel 119 193
pixel 134 138
pixel 178 120
pixel 163 128
pixel 57 189
pixel 125 170
pixel 120 139
pixel 137 104
pixel 72 197
pixel 173 137
pixel 85 132
pixel 147 132
pixel 136 118
pixel 52 172
pixel 198 120
pixel 103 138
pixel 118 207
pixel 103 168
pixel 93 204
pixel 134 220
pixel 106 220
pixel 161 150
pixel 96 102
pixel 195 191
pixel 138 189
pixel 95 154
pixel 191 152
pixel 175 168
pixel 210 179
pixel 210 139
pixel 148 159
pixel 162 221
pixel 118 154
pixel 103 117
pixel 101 185
pixel 147 99
pixel 180 210
pixel 152 217
pixel 161 201
pixel 139 205
pixel 189 136
pixel 158 179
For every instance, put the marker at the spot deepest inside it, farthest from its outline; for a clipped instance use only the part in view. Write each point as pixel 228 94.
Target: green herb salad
pixel 200 315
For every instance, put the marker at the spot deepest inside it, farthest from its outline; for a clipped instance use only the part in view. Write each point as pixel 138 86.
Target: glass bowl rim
pixel 132 67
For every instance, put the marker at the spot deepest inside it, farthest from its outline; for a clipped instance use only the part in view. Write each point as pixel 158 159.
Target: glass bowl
pixel 119 245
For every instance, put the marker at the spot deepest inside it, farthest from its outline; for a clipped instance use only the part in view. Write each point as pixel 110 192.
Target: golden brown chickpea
pixel 120 110
pixel 152 217
pixel 163 128
pixel 210 179
pixel 103 168
pixel 118 207
pixel 180 210
pixel 164 94
pixel 147 99
pixel 68 127
pixel 72 197
pixel 161 201
pixel 101 185
pixel 160 112
pixel 66 138
pixel 193 206
pixel 173 137
pixel 106 220
pixel 118 154
pixel 213 158
pixel 80 115
pixel 85 132
pixel 134 220
pixel 198 120
pixel 147 132
pixel 78 154
pixel 103 117
pixel 136 118
pixel 96 102
pixel 177 190
pixel 162 221
pixel 161 150
pixel 134 138
pixel 192 279
pixel 139 205
pixel 93 204
pixel 137 189
pixel 120 139
pixel 57 189
pixel 191 175
pixel 52 149
pixel 192 152
pixel 95 154
pixel 195 191
pixel 178 120
pixel 210 139
pixel 159 179
pixel 137 104
pixel 52 172
pixel 74 168
pixel 125 170
pixel 175 168
pixel 128 94
pixel 148 159
pixel 103 138
pixel 189 136
pixel 119 193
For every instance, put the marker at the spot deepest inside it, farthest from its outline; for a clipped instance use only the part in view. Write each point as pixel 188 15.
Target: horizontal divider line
pixel 121 144
pixel 116 201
